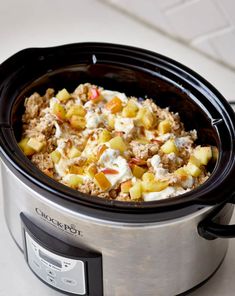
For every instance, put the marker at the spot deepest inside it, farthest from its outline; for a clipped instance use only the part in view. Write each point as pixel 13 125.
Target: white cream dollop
pixel 188 183
pixel 61 144
pixel 170 191
pixel 160 172
pixel 111 159
pixel 124 125
pixel 183 141
pixel 58 131
pixel 93 119
pixel 90 149
pixel 61 167
pixel 53 101
pixel 155 161
pixel 109 95
pixel 165 137
pixel 150 135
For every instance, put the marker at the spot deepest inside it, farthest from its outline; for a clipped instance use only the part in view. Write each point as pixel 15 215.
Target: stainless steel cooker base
pixel 169 257
pixel 204 282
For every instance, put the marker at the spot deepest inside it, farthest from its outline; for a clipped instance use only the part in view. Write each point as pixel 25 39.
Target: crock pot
pixel 82 245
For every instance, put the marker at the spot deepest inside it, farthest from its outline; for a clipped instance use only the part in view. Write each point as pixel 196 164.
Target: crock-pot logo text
pixel 71 229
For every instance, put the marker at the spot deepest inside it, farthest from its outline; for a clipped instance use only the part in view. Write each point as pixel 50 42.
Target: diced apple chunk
pixel 59 111
pixel 102 181
pixel 164 127
pixel 23 144
pixel 148 176
pixel 130 110
pixel 114 105
pixel 118 144
pixel 75 169
pixel 204 154
pixel 145 118
pixel 74 181
pixel 193 170
pixel 77 122
pixel 94 95
pixel 148 120
pixel 63 95
pixel 169 147
pixel 76 110
pixel 35 144
pixel 136 191
pixel 154 186
pixel 111 121
pixel 100 150
pixel 181 172
pixel 55 156
pixel 195 161
pixel 137 161
pixel 138 171
pixel 125 186
pixel 91 170
pixel 91 158
pixel 74 152
pixel 104 136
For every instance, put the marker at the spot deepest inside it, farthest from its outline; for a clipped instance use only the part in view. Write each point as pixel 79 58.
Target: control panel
pixel 66 268
pixel 61 272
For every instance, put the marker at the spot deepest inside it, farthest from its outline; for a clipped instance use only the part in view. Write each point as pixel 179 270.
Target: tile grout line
pixel 179 6
pixel 148 25
pixel 223 11
pixel 209 35
pixel 172 6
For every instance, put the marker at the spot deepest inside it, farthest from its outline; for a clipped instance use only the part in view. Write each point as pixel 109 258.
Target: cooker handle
pixel 210 229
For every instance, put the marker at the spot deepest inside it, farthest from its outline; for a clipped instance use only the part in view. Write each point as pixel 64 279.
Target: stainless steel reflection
pixel 154 259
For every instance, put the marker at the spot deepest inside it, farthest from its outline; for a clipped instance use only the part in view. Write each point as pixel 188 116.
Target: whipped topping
pixel 170 191
pixel 109 95
pixel 111 159
pixel 165 137
pixel 183 142
pixel 93 119
pixel 125 125
pixel 58 131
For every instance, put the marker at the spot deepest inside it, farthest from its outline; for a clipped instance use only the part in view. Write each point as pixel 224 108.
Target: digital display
pixel 50 260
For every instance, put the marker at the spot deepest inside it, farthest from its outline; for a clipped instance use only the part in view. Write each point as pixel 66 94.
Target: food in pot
pixel 104 143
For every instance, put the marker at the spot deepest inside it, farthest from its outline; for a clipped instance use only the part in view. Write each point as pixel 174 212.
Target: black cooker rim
pixel 220 183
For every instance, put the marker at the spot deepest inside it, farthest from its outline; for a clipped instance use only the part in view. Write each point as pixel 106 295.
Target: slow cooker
pixel 91 246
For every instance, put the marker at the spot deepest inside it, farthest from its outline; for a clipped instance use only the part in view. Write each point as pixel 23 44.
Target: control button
pixel 68 281
pixel 35 263
pixel 67 264
pixel 50 273
pixel 51 280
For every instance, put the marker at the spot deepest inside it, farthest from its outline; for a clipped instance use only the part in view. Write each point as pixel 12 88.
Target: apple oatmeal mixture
pixel 104 143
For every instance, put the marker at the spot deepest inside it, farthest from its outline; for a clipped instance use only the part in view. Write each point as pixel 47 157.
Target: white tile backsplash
pixel 228 7
pixel 225 46
pixel 166 4
pixel 196 18
pixel 206 46
pixel 207 25
pixel 149 11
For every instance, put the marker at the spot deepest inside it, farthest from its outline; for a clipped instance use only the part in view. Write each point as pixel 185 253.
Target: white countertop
pixel 42 23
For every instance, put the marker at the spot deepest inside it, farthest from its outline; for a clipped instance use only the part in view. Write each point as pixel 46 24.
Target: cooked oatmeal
pixel 103 143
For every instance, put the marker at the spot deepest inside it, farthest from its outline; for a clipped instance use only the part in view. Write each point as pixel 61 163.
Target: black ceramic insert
pixel 136 72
